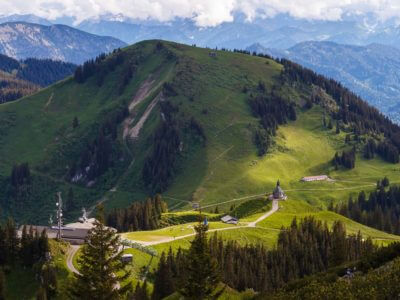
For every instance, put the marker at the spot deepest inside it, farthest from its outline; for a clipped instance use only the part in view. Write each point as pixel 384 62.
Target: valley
pixel 201 128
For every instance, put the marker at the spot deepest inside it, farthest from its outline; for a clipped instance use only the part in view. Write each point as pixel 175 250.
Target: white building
pixel 314 178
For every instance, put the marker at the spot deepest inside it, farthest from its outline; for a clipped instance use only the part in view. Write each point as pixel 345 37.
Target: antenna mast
pixel 59 215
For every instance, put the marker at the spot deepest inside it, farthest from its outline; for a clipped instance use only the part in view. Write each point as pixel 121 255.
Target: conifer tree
pixel 12 241
pixel 203 275
pixel 163 284
pixel 49 280
pixel 140 292
pixel 2 285
pixel 385 182
pixel 75 123
pixel 3 247
pixel 70 203
pixel 337 127
pixel 330 126
pixel 41 294
pixel 101 269
pixel 339 250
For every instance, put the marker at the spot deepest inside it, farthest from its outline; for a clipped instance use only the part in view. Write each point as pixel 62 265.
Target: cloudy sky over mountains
pixel 203 12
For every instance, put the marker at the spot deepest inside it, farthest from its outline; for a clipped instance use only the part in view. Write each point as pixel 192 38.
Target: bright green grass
pixel 303 148
pixel 38 130
pixel 296 208
pixel 224 172
pixel 168 232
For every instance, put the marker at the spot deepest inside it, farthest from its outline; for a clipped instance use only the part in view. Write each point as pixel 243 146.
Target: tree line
pixel 376 275
pixel 12 88
pixel 139 216
pixel 381 210
pixel 359 116
pixel 160 165
pixel 97 157
pixel 20 175
pixel 42 72
pixel 303 248
pixel 272 111
pixel 347 159
pixel 106 63
pixel 30 250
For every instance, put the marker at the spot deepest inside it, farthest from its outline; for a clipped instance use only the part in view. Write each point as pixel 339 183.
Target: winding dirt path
pixel 48 101
pixel 70 256
pixel 275 207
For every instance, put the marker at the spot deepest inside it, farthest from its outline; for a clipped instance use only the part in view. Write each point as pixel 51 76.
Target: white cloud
pixel 203 12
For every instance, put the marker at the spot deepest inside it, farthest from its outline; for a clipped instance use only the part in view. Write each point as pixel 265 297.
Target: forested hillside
pixel 369 71
pixel 22 78
pixel 197 125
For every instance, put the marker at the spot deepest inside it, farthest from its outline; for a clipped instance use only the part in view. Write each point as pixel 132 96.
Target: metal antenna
pixel 84 214
pixel 59 215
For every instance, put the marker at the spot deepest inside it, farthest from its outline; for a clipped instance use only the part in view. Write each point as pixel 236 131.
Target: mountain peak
pixel 22 40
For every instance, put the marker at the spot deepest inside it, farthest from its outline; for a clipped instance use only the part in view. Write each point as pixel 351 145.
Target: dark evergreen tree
pixel 12 241
pixel 101 269
pixel 202 270
pixel 339 244
pixel 70 201
pixel 75 122
pixel 41 294
pixel 144 215
pixel 163 284
pixel 303 248
pixel 381 210
pixel 385 182
pixel 330 125
pixel 2 285
pixel 49 282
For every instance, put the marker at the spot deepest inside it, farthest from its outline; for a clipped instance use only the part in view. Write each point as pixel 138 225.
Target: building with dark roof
pixel 278 193
pixel 75 236
pixel 229 220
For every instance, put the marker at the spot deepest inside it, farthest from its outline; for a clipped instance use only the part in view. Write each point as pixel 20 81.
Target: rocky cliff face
pixel 58 42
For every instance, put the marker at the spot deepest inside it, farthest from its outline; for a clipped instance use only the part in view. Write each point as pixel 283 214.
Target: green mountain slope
pixel 163 117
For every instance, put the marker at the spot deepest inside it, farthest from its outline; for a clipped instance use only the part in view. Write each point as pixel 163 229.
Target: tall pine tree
pixel 2 285
pixel 101 269
pixel 202 269
pixel 163 284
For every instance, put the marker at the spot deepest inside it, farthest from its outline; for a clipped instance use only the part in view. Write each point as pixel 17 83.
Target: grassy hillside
pixel 221 168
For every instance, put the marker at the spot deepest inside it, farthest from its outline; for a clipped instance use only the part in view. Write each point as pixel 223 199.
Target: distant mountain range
pixel 22 40
pixel 28 18
pixel 281 31
pixel 370 71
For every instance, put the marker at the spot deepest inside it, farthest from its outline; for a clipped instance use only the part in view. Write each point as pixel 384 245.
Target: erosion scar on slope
pixel 134 132
pixel 141 94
